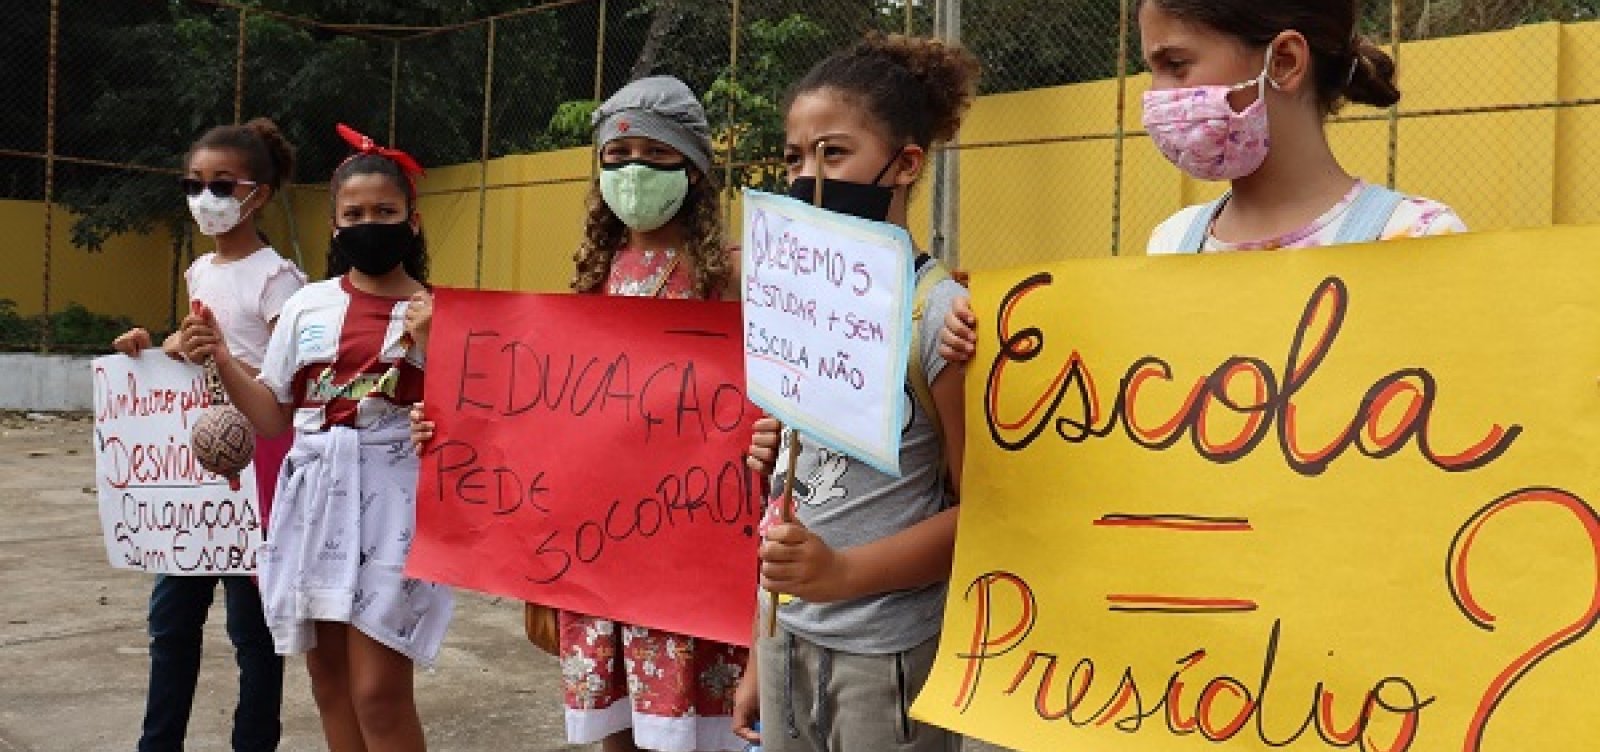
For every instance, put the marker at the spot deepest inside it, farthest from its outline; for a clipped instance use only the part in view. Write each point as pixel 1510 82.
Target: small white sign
pixel 827 324
pixel 160 511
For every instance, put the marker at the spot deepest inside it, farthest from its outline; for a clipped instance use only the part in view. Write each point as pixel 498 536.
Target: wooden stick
pixel 787 499
pixel 816 195
pixel 788 480
pixel 786 508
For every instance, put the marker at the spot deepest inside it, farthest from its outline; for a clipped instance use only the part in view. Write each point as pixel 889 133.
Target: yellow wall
pixel 131 276
pixel 1577 163
pixel 1022 204
pixel 1019 203
pixel 529 235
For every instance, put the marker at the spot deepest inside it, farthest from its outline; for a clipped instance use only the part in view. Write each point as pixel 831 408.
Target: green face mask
pixel 644 196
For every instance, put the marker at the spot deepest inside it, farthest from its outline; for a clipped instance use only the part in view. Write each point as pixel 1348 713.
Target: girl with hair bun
pixel 340 374
pixel 1299 61
pixel 865 564
pixel 1240 91
pixel 229 174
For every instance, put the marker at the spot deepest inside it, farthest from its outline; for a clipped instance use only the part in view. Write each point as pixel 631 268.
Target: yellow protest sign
pixel 1298 500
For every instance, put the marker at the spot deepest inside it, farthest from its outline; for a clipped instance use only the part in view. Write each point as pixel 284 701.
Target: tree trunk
pixel 661 24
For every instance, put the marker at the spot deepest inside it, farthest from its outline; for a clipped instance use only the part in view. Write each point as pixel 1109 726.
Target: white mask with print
pixel 217 214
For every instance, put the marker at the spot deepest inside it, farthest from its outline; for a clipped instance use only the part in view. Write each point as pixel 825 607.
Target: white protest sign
pixel 827 319
pixel 160 511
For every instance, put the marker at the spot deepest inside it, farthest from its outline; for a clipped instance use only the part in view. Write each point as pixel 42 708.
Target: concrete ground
pixel 74 656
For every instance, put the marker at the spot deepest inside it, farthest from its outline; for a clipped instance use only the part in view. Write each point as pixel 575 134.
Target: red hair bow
pixel 365 145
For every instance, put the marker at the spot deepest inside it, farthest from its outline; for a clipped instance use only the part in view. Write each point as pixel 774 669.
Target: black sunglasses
pixel 221 187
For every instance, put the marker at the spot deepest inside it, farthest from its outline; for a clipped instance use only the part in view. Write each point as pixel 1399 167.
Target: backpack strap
pixel 1368 215
pixel 930 274
pixel 1194 239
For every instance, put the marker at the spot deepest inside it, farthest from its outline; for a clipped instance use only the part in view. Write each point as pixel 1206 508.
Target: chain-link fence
pixel 99 101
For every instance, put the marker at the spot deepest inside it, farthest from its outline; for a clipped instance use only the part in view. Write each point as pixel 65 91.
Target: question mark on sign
pixel 1460 590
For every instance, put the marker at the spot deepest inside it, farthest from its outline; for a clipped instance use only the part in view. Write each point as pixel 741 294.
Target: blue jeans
pixel 178 607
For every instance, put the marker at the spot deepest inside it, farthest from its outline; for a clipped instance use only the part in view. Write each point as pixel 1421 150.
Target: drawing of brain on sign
pixel 1312 500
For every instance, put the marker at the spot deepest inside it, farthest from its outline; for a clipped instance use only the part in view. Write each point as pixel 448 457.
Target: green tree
pixel 746 109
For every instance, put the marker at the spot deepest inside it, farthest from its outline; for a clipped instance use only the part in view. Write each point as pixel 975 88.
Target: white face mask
pixel 217 214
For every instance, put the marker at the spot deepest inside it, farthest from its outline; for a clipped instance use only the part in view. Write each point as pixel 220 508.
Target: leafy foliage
pixel 139 80
pixel 74 326
pixel 747 107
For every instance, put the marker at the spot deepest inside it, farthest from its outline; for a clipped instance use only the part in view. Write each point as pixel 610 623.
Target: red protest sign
pixel 590 456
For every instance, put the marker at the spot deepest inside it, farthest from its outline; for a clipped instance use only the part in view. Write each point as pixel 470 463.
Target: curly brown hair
pixel 605 234
pixel 919 88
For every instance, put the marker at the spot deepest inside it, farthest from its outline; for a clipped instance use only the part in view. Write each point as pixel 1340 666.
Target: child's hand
pixel 173 345
pixel 794 561
pixel 958 340
pixel 747 703
pixel 133 341
pixel 201 336
pixel 421 428
pixel 763 455
pixel 419 318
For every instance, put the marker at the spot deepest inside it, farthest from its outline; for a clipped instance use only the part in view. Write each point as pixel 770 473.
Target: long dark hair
pixel 416 264
pixel 1344 65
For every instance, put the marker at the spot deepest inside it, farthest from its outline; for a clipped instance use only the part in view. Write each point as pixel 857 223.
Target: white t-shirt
pixel 1415 217
pixel 246 296
pixel 341 357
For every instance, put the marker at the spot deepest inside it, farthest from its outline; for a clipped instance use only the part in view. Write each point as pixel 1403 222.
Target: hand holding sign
pixel 419 319
pixel 161 511
pixel 201 338
pixel 765 436
pixel 794 561
pixel 421 428
pixel 958 340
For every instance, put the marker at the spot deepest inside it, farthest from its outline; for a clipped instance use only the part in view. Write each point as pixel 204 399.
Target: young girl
pixel 232 171
pixel 1240 90
pixel 341 372
pixel 654 230
pixel 867 561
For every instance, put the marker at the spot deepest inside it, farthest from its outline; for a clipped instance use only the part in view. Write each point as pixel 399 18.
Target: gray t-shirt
pixel 848 503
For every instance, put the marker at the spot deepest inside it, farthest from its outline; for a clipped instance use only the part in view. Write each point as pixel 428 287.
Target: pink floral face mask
pixel 1197 129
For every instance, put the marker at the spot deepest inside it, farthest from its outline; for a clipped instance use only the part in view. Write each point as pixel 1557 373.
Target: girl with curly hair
pixel 654 229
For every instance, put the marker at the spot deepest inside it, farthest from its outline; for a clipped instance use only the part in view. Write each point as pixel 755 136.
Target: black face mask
pixel 376 248
pixel 864 200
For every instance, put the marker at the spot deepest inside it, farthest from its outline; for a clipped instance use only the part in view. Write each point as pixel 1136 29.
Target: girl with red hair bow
pixel 341 371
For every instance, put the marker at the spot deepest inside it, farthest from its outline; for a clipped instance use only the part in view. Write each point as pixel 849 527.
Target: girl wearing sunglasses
pixel 230 173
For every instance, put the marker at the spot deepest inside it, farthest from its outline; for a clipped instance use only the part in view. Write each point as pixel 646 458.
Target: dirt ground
pixel 74 654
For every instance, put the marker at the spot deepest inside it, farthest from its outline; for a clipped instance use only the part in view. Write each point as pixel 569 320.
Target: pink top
pixel 640 273
pixel 1415 217
pixel 246 295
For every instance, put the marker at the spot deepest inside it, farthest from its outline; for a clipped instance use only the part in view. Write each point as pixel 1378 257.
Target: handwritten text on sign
pixel 1302 500
pixel 827 324
pixel 590 456
pixel 159 510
